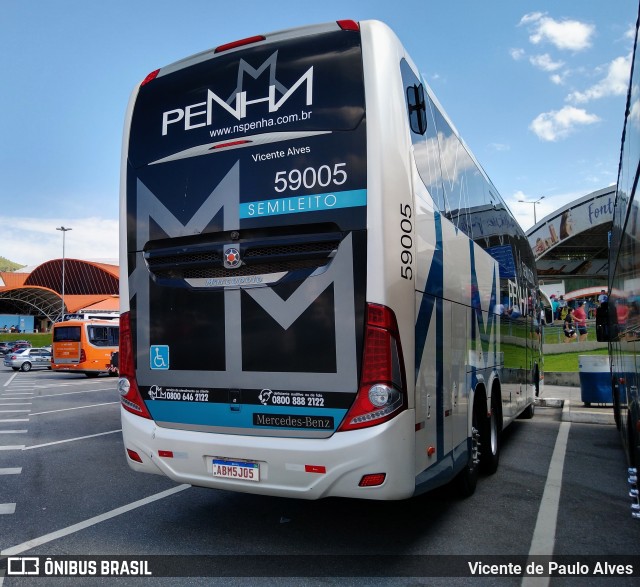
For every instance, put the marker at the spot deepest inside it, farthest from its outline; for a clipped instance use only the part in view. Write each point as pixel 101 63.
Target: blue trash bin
pixel 595 379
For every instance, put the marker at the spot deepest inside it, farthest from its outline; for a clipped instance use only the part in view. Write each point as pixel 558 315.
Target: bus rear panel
pixel 246 207
pixel 271 313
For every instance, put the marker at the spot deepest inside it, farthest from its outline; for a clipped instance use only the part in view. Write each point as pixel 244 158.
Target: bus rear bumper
pixel 289 467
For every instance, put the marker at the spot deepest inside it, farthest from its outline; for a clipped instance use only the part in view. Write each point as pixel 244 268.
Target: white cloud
pixel 500 147
pixel 545 62
pixel 615 83
pixel 32 241
pixel 559 124
pixel 634 113
pixel 516 54
pixel 566 34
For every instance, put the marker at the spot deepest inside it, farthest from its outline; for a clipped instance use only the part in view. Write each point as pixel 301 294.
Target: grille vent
pixel 259 257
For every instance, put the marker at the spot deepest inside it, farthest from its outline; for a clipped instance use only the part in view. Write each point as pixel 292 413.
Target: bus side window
pixel 417 109
pixel 98 336
pixel 113 336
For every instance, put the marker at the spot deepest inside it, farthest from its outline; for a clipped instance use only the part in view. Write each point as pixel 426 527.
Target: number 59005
pixel 406 242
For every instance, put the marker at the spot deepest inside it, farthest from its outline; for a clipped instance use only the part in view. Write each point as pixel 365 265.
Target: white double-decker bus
pixel 323 293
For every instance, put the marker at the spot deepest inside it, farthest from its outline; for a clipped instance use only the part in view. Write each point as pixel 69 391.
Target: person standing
pixel 603 297
pixel 562 308
pixel 580 317
pixel 554 308
pixel 568 326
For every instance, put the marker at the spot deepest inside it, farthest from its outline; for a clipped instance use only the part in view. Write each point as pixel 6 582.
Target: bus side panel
pixel 391 214
pixel 456 319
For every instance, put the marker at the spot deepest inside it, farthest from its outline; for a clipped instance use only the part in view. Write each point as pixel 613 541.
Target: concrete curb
pixel 567 379
pixel 578 413
pixel 549 402
pixel 586 416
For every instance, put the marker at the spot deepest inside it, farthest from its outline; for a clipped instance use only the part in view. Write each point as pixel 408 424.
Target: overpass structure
pixel 571 246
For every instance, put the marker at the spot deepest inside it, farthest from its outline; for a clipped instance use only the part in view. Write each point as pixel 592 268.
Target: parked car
pixel 17 345
pixel 27 359
pixel 4 347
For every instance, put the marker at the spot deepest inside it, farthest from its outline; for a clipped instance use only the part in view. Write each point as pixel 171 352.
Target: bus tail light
pixel 348 25
pixel 134 456
pixel 382 392
pixel 130 397
pixel 240 43
pixel 150 77
pixel 372 480
pixel 83 356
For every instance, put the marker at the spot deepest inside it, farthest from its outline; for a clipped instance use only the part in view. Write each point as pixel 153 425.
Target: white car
pixel 26 359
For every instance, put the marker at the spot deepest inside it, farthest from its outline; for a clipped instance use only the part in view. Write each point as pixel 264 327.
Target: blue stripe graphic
pixel 303 204
pixel 432 298
pixel 215 414
pixel 476 307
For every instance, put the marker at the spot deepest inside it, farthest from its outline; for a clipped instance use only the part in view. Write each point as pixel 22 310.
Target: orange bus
pixel 85 346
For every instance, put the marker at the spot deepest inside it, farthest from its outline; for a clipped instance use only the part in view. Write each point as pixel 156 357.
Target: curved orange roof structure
pixel 80 277
pixel 88 286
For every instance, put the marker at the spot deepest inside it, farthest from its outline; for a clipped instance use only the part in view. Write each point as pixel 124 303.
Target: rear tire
pixel 615 392
pixel 632 442
pixel 490 439
pixel 466 481
pixel 528 413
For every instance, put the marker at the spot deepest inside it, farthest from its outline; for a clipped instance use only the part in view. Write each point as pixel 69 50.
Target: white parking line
pixel 12 447
pixel 109 384
pixel 71 439
pixel 7 508
pixel 14 420
pixel 69 409
pixel 11 471
pixel 13 411
pixel 544 535
pixel 25 546
pixel 13 431
pixel 8 381
pixel 12 392
pixel 74 392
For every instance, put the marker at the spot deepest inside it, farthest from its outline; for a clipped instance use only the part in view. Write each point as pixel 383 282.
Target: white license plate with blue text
pixel 240 470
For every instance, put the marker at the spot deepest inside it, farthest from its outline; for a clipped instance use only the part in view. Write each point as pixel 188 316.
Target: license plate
pixel 241 470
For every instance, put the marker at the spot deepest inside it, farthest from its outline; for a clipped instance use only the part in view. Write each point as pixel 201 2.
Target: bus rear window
pixel 66 334
pixel 293 85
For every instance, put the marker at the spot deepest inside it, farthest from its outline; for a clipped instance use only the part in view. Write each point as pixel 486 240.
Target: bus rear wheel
pixel 490 437
pixel 632 440
pixel 467 479
pixel 615 392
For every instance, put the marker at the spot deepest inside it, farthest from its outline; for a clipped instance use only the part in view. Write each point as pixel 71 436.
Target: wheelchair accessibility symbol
pixel 159 356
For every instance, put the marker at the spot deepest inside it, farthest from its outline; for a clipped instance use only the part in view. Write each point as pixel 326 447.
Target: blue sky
pixel 536 89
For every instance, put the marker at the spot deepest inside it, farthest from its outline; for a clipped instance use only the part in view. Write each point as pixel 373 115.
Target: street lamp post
pixel 64 231
pixel 534 202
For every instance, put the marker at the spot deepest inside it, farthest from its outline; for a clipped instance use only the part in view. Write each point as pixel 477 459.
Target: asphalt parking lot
pixel 66 491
